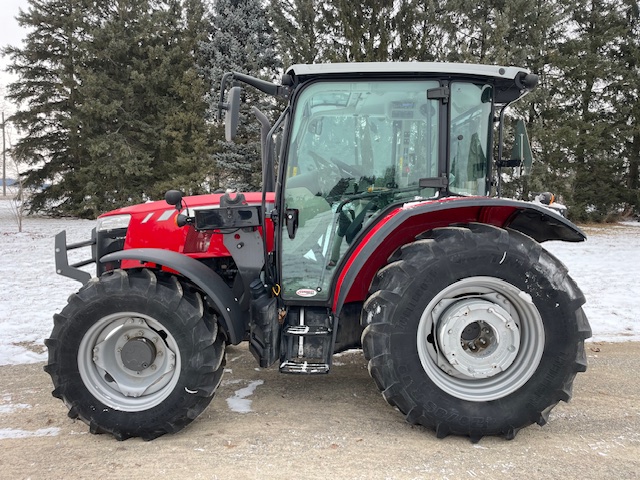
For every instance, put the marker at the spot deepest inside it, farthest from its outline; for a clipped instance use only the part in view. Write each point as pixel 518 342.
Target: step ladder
pixel 309 338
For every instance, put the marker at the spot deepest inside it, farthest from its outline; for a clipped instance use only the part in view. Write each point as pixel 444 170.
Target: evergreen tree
pixel 529 34
pixel 418 31
pixel 111 106
pixel 132 123
pixel 240 40
pixel 625 97
pixel 585 60
pixel 48 98
pixel 297 28
pixel 358 31
pixel 120 111
pixel 144 111
pixel 189 164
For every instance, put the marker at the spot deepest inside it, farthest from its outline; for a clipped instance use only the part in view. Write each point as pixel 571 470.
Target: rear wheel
pixel 475 331
pixel 136 353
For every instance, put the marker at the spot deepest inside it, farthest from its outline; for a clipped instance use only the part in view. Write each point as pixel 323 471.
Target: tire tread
pixel 397 277
pixel 206 364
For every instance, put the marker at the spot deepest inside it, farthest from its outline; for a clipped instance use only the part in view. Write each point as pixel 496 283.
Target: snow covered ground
pixel 606 267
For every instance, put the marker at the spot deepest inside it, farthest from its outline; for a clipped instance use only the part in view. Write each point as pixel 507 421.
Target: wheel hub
pixel 478 338
pixel 129 361
pixel 138 354
pixel 463 307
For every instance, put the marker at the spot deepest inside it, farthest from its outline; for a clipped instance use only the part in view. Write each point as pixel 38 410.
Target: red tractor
pixel 374 229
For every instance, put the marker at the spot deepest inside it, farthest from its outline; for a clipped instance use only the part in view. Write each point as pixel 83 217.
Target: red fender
pixel 401 225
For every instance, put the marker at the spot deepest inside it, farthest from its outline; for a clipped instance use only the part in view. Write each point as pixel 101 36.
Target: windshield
pixel 354 148
pixel 382 134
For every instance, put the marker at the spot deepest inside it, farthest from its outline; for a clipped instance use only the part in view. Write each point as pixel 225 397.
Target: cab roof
pixel 495 71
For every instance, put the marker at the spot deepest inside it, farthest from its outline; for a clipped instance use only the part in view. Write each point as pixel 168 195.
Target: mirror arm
pixel 262 85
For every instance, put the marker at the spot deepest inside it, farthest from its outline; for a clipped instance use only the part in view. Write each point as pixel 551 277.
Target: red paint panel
pixel 405 232
pixel 361 245
pixel 153 225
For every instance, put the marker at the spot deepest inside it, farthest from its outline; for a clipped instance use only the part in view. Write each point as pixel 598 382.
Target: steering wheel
pixel 343 169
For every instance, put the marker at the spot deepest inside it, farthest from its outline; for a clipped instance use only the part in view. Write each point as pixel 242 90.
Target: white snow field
pixel 606 267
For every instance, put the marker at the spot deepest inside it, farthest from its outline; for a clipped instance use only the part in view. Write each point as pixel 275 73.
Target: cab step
pixel 308 341
pixel 307 330
pixel 304 367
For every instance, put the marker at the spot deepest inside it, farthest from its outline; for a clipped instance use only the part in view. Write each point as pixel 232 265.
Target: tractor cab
pixel 358 139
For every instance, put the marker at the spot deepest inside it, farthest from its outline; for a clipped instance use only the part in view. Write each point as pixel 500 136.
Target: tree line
pixel 116 98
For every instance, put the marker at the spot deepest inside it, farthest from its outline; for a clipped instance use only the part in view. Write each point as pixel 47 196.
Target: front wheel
pixel 475 331
pixel 136 353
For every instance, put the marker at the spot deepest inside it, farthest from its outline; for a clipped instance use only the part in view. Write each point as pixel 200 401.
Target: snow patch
pixel 605 267
pixel 12 408
pixel 6 433
pixel 350 351
pixel 239 402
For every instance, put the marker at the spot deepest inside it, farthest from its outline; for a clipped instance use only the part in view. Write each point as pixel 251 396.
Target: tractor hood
pixel 209 200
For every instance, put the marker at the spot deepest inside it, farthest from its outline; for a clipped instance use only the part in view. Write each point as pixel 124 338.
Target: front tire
pixel 136 354
pixel 474 331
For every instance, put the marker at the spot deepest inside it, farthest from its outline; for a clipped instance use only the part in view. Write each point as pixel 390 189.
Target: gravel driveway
pixel 263 425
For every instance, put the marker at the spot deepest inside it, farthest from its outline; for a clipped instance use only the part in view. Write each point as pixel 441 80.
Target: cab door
pixel 354 148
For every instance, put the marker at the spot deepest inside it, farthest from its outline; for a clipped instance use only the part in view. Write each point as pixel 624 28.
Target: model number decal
pixel 306 292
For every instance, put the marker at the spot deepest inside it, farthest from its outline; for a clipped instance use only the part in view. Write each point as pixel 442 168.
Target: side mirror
pixel 521 152
pixel 174 197
pixel 232 114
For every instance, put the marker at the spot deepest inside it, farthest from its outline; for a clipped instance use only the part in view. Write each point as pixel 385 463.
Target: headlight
pixel 113 222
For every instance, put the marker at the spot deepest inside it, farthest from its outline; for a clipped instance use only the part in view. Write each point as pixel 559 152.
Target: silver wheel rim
pixel 480 339
pixel 129 361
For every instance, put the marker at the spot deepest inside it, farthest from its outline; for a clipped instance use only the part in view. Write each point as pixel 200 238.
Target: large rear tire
pixel 136 354
pixel 474 331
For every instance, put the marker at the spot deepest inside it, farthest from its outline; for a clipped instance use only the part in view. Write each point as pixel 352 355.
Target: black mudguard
pixel 542 224
pixel 208 281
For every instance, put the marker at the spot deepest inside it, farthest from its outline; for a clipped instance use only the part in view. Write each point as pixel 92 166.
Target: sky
pixel 10 34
